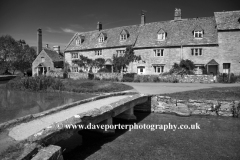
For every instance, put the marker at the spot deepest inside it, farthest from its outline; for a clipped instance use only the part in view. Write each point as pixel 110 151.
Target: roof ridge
pixel 228 11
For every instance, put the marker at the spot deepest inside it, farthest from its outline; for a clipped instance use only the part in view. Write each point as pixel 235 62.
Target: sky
pixel 61 19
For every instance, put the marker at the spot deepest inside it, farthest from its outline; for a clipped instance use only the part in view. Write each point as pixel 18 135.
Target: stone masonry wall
pixel 164 104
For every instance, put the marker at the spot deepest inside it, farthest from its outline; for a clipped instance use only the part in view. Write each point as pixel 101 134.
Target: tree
pixel 8 48
pixel 15 55
pixel 120 62
pixel 184 67
pixel 85 62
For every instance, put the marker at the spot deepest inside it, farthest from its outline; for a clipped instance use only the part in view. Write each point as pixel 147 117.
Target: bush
pixel 90 76
pixel 104 70
pixel 224 78
pixel 37 83
pixel 128 77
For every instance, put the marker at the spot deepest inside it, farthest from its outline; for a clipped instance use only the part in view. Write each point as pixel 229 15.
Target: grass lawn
pixel 223 93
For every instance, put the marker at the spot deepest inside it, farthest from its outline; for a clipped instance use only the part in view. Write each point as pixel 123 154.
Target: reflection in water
pixel 15 104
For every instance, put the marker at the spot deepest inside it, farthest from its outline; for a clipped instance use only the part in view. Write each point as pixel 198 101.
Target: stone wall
pixel 164 104
pixel 74 75
pixel 109 76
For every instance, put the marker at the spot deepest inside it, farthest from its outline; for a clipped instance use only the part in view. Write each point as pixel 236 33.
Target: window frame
pixel 101 39
pixel 196 51
pixel 98 52
pixel 198 34
pixel 123 37
pixel 163 36
pixel 158 54
pixel 120 52
pixel 226 67
pixel 158 69
pixel 78 42
pixel 75 55
pixel 75 69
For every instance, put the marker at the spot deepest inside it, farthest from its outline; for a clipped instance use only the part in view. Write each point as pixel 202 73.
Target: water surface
pixel 15 104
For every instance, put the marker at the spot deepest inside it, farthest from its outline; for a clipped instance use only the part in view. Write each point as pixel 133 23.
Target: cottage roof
pixel 113 38
pixel 53 55
pixel 178 33
pixel 227 20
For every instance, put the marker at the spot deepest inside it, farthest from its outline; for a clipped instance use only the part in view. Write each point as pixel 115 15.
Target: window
pixel 74 55
pixel 158 53
pixel 98 52
pixel 78 42
pixel 161 36
pixel 159 69
pixel 198 34
pixel 196 51
pixel 101 39
pixel 226 68
pixel 43 59
pixel 120 52
pixel 123 37
pixel 74 69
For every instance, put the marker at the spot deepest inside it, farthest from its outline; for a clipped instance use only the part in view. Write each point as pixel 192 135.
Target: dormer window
pixel 198 32
pixel 79 40
pixel 124 35
pixel 161 36
pixel 102 37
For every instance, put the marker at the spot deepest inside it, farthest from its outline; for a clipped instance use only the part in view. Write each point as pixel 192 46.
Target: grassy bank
pixel 223 93
pixel 42 83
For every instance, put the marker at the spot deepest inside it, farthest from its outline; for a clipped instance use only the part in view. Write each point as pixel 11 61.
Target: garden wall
pixel 109 76
pixel 164 104
pixel 191 78
pixel 77 75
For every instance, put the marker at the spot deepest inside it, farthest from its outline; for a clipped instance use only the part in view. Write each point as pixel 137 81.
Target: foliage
pixel 15 55
pixel 120 62
pixel 224 78
pixel 103 70
pixel 37 83
pixel 85 62
pixel 184 67
pixel 128 77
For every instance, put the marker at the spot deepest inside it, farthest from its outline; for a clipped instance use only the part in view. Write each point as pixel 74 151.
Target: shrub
pixel 128 77
pixel 224 78
pixel 103 70
pixel 36 83
pixel 90 76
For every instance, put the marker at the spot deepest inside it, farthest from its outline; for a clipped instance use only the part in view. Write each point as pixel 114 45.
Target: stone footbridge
pixel 37 136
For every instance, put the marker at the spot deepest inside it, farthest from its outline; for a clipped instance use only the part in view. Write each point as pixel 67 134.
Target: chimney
pixel 57 49
pixel 99 26
pixel 39 40
pixel 177 15
pixel 143 18
pixel 46 45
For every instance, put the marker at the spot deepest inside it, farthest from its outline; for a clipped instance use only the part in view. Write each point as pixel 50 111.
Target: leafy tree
pixel 8 48
pixel 15 55
pixel 120 62
pixel 184 67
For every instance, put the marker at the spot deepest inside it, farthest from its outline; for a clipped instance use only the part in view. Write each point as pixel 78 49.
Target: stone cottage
pixel 48 60
pixel 212 43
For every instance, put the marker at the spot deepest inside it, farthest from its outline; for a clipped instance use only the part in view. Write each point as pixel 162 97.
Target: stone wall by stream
pixel 164 104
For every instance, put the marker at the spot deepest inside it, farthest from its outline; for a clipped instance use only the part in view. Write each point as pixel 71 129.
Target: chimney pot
pixel 177 15
pixel 99 26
